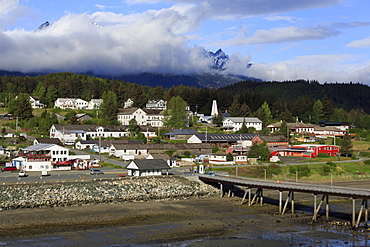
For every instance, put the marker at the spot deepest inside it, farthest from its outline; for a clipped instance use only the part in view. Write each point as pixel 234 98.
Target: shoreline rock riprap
pixel 94 192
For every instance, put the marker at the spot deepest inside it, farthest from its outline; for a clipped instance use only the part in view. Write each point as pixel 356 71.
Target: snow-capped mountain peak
pixel 43 26
pixel 219 58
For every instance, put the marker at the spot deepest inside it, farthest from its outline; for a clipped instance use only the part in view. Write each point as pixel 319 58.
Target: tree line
pixel 301 100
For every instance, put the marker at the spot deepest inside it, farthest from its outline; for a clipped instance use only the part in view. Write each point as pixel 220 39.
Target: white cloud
pixel 11 11
pixel 324 68
pixel 363 43
pixel 237 8
pixel 290 19
pixel 148 42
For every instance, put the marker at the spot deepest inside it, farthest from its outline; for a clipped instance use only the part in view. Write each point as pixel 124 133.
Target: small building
pixel 35 102
pixel 82 117
pixel 147 167
pixel 180 134
pixel 275 140
pixel 158 104
pixel 163 156
pixel 47 141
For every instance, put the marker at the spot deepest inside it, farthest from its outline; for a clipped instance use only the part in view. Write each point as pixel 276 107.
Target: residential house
pixel 163 156
pixel 47 141
pixel 82 117
pixel 94 104
pixel 329 131
pixel 70 103
pixel 35 102
pixel 94 144
pixel 180 134
pixel 205 119
pixel 128 103
pixel 158 104
pixel 245 140
pixel 143 117
pixel 147 167
pixel 70 133
pixel 6 116
pixel 9 134
pixel 2 150
pixel 299 128
pixel 141 151
pixel 220 159
pixel 236 123
pixel 341 125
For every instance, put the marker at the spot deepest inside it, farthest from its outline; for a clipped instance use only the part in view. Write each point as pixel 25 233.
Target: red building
pixel 307 150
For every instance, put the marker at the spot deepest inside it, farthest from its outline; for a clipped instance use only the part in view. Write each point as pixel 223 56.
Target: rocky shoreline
pixel 133 189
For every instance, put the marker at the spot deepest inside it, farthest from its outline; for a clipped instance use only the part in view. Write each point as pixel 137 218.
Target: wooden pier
pixel 314 189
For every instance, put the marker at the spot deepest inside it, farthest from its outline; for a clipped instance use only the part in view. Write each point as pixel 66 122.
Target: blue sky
pixel 324 40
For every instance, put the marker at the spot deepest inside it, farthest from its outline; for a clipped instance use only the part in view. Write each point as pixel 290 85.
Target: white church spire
pixel 214 111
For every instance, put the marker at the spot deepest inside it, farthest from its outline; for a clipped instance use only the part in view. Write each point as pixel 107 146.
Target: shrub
pixel 321 155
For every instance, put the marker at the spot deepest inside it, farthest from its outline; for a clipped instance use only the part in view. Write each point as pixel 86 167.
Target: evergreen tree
pixel 175 114
pixel 346 145
pixel 243 129
pixel 259 151
pixel 245 110
pixel 109 108
pixel 328 108
pixel 217 119
pixel 234 109
pixel 21 107
pixel 284 129
pixel 229 157
pixel 267 110
pixel 51 95
pixel 133 127
pixel 317 112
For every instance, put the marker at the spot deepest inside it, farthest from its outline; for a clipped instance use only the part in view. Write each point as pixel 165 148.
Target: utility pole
pixel 16 123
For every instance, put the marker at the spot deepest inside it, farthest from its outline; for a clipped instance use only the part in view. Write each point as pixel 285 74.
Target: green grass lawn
pixel 318 172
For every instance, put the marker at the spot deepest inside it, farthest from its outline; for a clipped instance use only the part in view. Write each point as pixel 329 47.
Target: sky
pixel 323 40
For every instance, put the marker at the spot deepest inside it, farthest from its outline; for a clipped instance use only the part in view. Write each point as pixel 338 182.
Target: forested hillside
pixel 347 96
pixel 308 101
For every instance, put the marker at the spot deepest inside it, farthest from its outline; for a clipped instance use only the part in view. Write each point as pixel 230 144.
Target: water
pixel 254 235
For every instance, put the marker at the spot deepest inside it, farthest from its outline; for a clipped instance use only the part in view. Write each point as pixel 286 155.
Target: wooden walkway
pixel 229 183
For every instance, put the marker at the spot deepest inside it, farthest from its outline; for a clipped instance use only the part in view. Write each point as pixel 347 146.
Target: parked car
pixel 22 174
pixel 96 171
pixel 9 168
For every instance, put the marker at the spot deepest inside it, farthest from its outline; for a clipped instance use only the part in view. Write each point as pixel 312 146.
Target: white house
pixel 42 157
pixel 235 123
pixel 35 102
pixel 297 128
pixel 163 156
pixel 128 103
pixel 70 103
pixel 94 104
pixel 70 133
pixel 156 104
pixel 150 117
pixel 147 167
